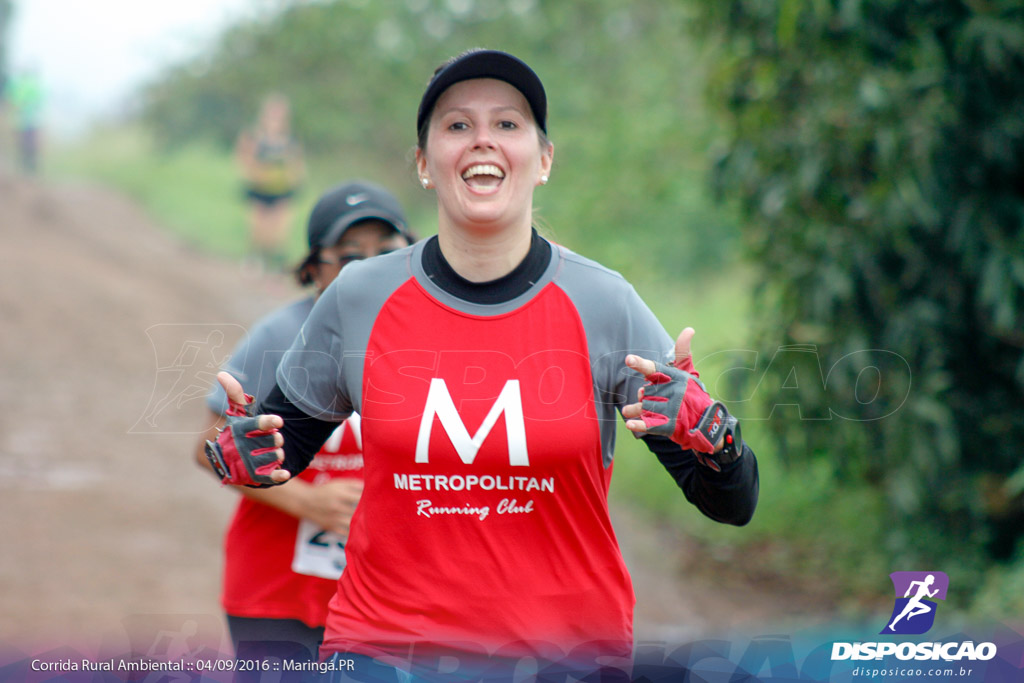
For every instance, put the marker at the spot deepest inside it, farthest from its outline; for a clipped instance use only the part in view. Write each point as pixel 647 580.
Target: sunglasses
pixel 346 259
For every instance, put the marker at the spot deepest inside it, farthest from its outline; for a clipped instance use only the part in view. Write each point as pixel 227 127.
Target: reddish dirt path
pixel 111 532
pixel 107 517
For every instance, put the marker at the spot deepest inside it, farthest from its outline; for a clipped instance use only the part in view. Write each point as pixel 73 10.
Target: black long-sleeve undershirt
pixel 303 435
pixel 729 496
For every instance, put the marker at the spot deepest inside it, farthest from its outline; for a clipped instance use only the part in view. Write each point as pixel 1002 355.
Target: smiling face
pixel 484 157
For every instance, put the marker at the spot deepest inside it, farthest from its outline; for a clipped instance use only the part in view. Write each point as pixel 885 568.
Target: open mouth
pixel 483 176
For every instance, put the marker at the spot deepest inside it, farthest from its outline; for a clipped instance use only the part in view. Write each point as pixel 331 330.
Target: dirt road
pixel 111 332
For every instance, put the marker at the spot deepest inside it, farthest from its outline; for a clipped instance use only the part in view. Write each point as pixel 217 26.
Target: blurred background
pixel 830 192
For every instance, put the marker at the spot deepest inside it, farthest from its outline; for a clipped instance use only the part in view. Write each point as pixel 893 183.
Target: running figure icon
pixel 915 606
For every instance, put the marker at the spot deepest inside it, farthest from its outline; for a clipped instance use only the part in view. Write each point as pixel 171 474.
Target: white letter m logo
pixel 439 402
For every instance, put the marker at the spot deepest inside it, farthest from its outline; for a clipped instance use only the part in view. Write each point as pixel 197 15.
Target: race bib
pixel 318 552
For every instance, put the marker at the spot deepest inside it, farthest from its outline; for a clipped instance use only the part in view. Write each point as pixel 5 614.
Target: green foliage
pixel 877 151
pixel 624 86
pixel 810 528
pixel 1002 592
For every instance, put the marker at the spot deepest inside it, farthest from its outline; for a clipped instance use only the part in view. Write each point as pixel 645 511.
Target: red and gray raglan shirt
pixel 488 416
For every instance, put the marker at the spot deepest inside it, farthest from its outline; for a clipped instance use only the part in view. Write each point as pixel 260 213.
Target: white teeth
pixel 482 169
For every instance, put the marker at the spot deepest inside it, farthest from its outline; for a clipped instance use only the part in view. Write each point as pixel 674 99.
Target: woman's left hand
pixel 673 411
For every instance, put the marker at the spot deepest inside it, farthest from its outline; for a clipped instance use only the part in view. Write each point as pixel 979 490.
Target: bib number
pixel 318 552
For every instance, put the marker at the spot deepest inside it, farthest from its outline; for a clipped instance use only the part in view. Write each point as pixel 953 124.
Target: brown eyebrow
pixel 466 110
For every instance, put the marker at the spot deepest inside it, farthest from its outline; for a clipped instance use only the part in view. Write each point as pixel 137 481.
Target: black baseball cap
pixel 486 64
pixel 345 205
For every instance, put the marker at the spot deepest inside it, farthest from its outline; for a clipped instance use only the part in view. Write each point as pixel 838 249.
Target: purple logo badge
pixel 916 592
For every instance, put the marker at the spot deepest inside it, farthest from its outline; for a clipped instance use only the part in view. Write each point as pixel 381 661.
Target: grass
pixel 194 192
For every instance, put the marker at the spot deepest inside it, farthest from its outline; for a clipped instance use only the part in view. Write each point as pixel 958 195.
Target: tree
pixel 877 151
pixel 6 12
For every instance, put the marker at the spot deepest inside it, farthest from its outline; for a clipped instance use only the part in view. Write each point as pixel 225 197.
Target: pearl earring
pixel 543 180
pixel 424 182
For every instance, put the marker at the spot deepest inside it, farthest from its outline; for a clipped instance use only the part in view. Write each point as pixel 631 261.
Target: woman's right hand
pixel 266 423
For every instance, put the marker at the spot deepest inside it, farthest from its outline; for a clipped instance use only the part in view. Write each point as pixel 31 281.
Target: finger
pixel 280 476
pixel 642 365
pixel 232 388
pixel 268 422
pixel 344 483
pixel 684 356
pixel 278 440
pixel 633 410
pixel 344 498
pixel 636 426
pixel 350 492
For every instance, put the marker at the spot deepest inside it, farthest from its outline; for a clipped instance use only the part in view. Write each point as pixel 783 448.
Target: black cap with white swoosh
pixel 345 205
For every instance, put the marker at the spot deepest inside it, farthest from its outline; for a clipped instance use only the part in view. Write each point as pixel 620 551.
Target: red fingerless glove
pixel 240 409
pixel 243 454
pixel 673 402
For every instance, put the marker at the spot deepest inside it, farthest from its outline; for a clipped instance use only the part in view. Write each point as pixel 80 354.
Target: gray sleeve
pixel 255 359
pixel 640 333
pixel 617 322
pixel 248 365
pixel 322 371
pixel 310 371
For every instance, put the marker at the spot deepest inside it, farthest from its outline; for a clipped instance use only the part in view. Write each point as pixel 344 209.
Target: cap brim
pixel 336 231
